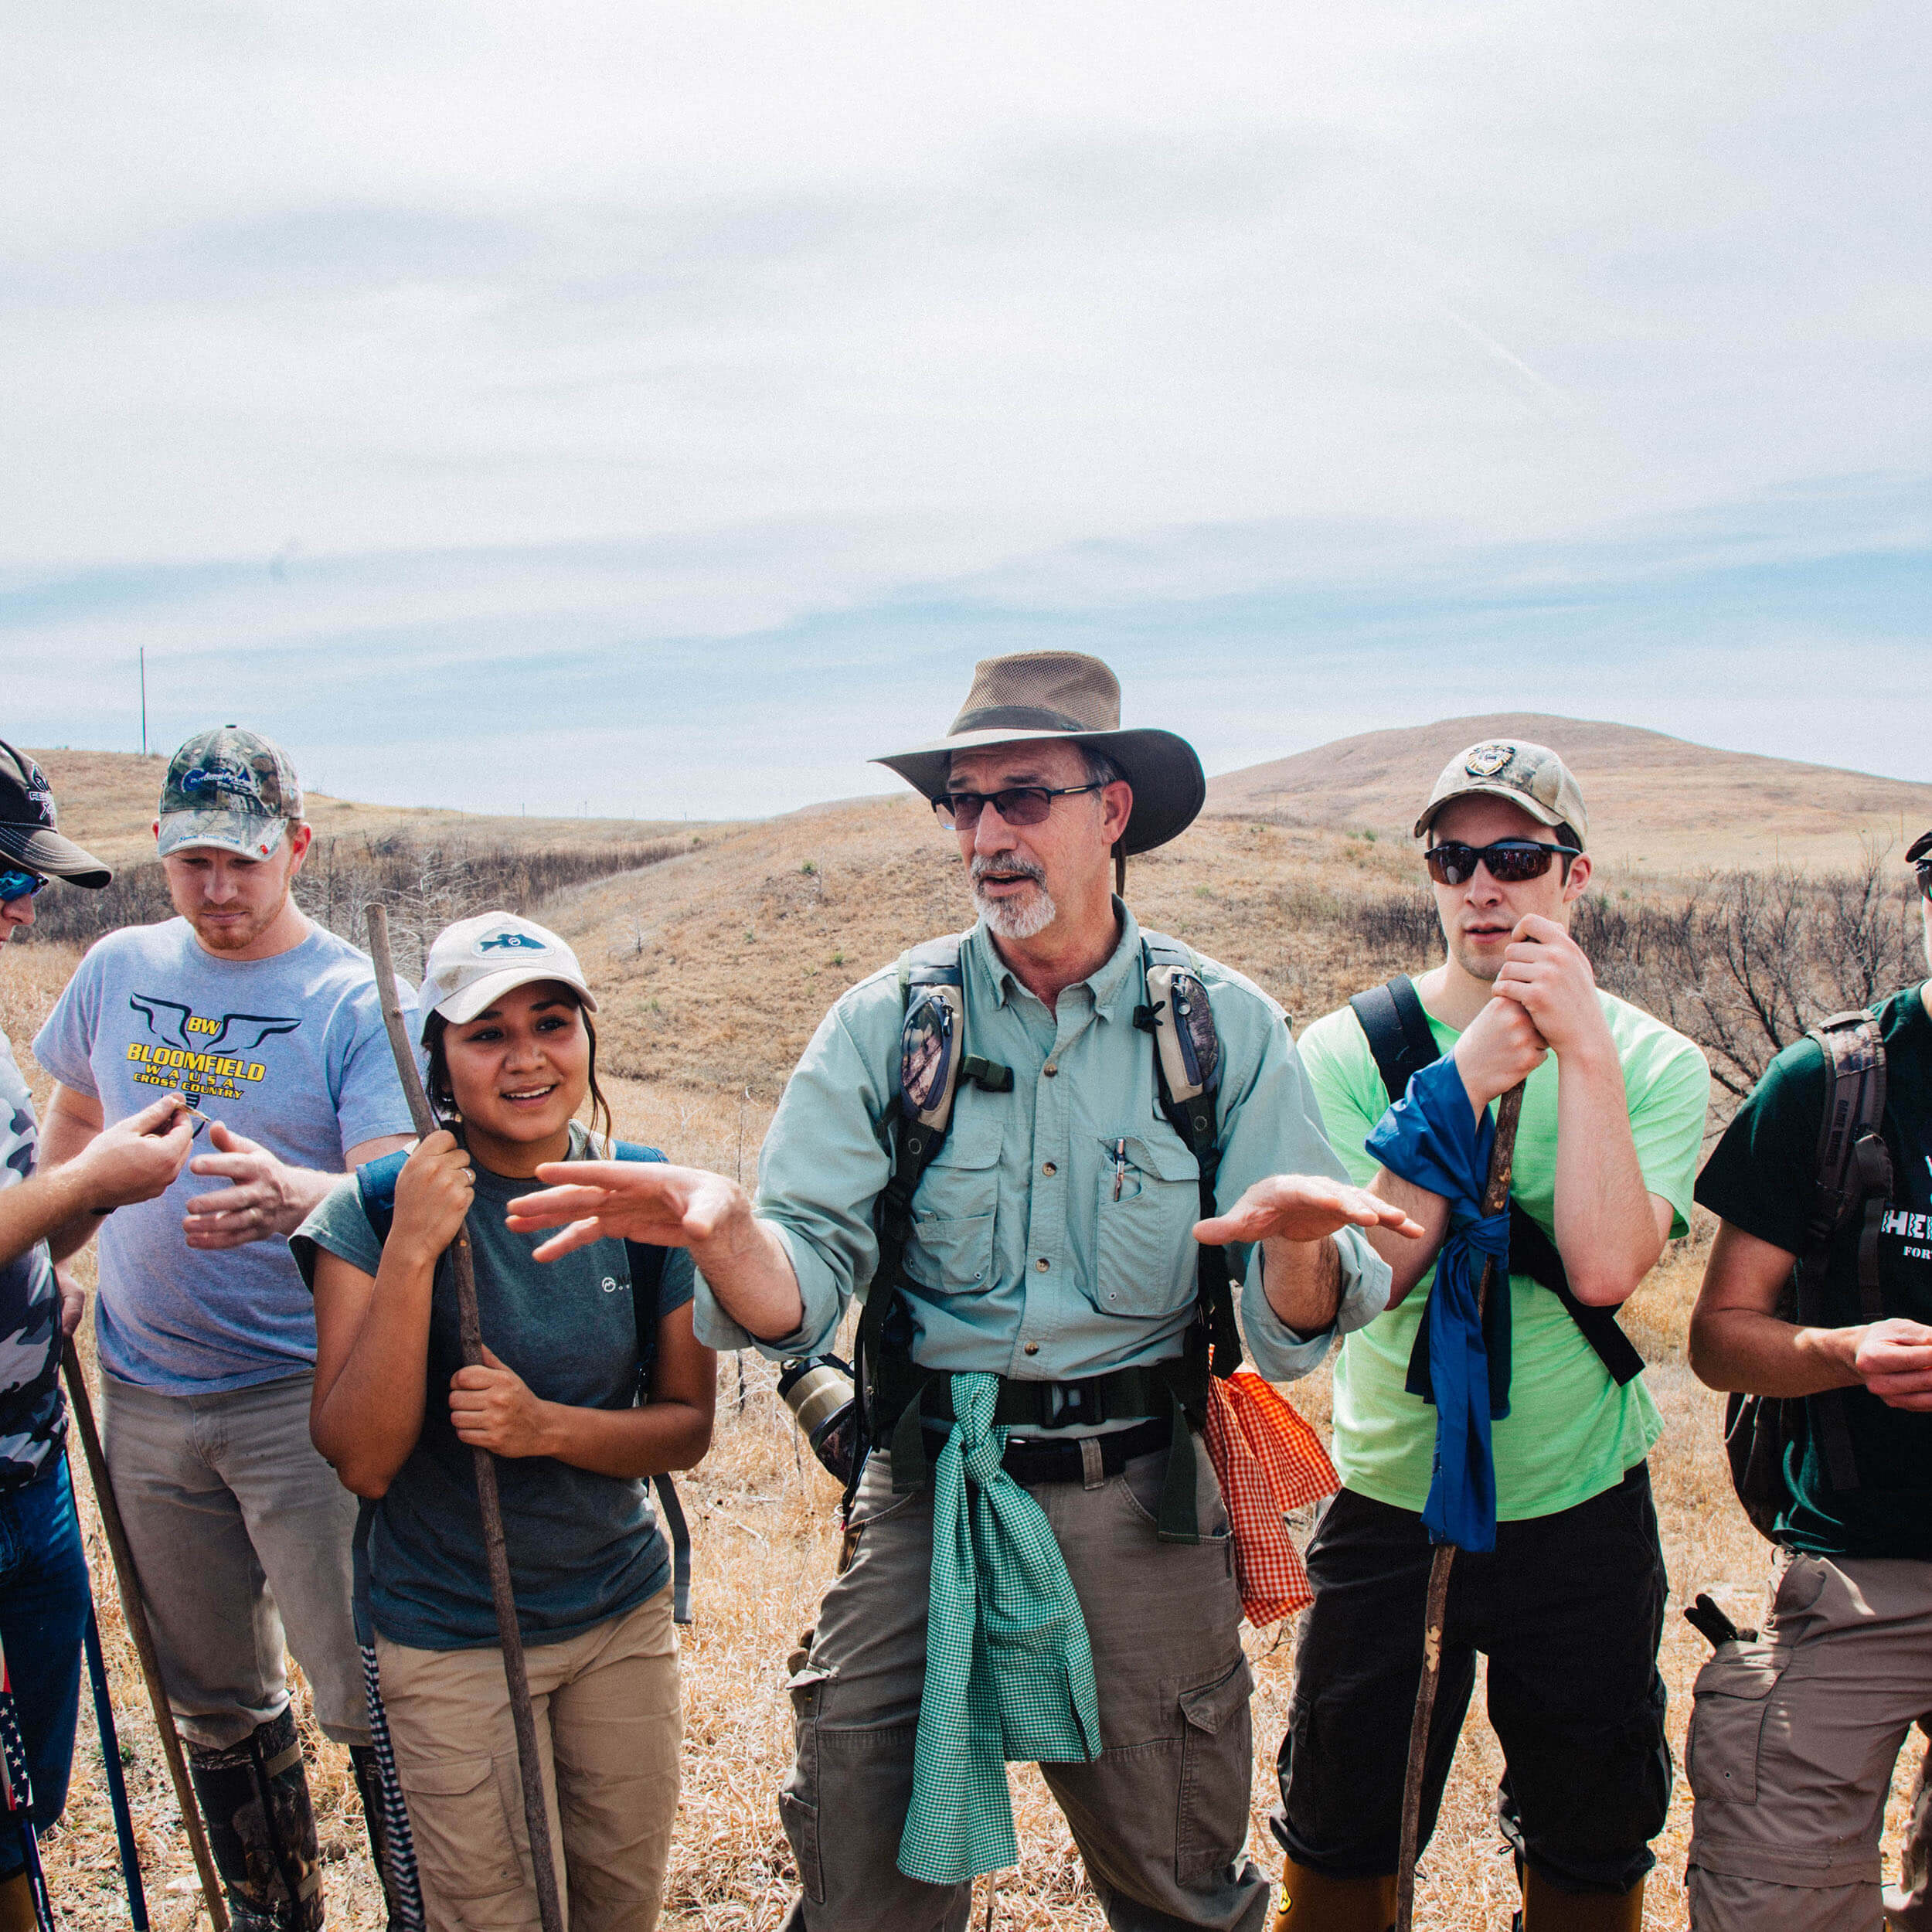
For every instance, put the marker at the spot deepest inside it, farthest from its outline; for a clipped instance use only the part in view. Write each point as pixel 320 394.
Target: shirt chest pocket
pixel 954 1214
pixel 1144 1248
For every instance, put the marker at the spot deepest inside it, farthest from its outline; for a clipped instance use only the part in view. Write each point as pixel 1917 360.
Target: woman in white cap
pixel 592 1383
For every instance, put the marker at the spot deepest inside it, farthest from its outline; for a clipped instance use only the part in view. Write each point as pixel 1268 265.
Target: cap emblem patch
pixel 510 942
pixel 226 777
pixel 1486 760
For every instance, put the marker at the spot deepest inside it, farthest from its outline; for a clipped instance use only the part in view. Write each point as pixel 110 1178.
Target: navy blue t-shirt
pixel 583 1547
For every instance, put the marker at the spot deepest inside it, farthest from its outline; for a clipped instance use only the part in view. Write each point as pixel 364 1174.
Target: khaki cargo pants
pixel 1793 1740
pixel 1161 1818
pixel 609 1725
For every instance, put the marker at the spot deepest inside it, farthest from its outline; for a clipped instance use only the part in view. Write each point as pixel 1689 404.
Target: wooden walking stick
pixel 127 1580
pixel 469 1328
pixel 1495 1198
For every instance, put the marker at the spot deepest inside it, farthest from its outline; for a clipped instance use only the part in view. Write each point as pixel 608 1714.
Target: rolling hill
pixel 1656 801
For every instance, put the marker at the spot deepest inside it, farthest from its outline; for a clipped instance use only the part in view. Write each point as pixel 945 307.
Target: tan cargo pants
pixel 1161 1818
pixel 609 1724
pixel 1793 1740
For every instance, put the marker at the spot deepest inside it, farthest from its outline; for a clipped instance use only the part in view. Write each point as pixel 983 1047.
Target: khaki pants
pixel 1161 1818
pixel 1793 1740
pixel 242 1534
pixel 609 1724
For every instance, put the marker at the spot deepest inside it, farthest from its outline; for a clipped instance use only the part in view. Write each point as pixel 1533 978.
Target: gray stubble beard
pixel 1012 920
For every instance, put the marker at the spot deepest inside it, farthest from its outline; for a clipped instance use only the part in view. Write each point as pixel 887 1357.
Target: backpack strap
pixel 1397 1030
pixel 1187 1077
pixel 1852 1175
pixel 647 1290
pixel 933 1060
pixel 1396 1027
pixel 376 1184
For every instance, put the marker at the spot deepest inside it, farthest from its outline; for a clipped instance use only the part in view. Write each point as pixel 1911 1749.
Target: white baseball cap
pixel 476 961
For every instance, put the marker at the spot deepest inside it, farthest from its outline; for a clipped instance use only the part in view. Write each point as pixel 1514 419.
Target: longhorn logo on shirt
pixel 184 1049
pixel 175 1025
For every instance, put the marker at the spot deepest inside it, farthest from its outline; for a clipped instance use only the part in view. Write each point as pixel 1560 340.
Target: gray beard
pixel 1015 919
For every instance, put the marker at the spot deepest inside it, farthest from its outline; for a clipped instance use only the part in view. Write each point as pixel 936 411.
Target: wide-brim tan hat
pixel 1067 695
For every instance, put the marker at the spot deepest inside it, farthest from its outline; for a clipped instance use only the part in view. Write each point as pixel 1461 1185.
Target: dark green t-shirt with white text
pixel 1761 1178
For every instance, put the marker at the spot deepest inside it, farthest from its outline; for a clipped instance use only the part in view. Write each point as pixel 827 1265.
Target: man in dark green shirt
pixel 1794 1735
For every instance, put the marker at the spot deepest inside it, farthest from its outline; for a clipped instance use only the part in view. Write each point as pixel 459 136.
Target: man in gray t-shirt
pixel 272 1028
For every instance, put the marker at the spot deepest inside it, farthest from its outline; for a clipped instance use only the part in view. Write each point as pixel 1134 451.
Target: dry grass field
pixel 712 968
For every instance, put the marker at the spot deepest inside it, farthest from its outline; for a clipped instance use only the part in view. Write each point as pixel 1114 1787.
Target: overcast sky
pixel 660 407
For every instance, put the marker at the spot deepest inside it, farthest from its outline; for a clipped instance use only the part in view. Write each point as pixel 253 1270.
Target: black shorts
pixel 1568 1608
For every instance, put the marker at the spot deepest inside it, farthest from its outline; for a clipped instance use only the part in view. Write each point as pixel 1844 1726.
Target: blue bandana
pixel 1432 1138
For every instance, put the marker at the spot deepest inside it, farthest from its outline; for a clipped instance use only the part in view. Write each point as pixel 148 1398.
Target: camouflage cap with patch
pixel 229 788
pixel 1531 776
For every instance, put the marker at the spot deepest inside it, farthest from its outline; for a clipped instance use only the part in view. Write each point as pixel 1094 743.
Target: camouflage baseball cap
pixel 229 788
pixel 1531 776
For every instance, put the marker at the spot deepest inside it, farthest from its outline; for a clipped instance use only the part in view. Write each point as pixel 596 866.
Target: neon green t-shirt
pixel 1571 1432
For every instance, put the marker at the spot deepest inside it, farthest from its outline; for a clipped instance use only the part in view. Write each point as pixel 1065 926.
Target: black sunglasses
pixel 1018 804
pixel 1925 878
pixel 1511 860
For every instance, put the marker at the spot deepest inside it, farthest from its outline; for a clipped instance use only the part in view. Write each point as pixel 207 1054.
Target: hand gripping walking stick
pixel 536 1816
pixel 128 1580
pixel 1495 1198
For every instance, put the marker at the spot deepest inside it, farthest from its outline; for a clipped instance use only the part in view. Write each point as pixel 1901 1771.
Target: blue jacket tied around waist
pixel 1433 1139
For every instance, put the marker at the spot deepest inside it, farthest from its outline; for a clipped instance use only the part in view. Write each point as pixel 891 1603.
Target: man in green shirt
pixel 1049 1286
pixel 1569 1606
pixel 1793 1734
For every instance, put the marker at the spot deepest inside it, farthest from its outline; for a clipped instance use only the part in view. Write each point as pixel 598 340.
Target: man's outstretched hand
pixel 649 1201
pixel 1302 1208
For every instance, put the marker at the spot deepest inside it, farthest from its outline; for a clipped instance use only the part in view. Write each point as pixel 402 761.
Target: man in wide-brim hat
pixel 1037 1561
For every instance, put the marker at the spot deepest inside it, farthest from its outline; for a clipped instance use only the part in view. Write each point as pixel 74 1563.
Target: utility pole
pixel 144 701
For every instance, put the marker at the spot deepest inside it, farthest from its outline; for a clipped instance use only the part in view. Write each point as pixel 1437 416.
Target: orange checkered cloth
pixel 1269 1462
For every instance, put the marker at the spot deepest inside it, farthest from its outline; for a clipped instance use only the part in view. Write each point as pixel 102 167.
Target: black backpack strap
pixel 1397 1031
pixel 1852 1176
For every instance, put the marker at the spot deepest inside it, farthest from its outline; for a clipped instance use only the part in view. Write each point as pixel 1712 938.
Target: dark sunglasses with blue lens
pixel 16 883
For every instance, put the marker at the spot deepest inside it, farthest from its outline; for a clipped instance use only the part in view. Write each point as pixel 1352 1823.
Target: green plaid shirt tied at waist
pixel 1009 1672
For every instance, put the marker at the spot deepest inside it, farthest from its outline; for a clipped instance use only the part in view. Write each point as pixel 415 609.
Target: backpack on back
pixel 1852 1176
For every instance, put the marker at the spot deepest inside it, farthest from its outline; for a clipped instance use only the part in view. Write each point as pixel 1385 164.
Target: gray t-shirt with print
pixel 583 1547
pixel 290 1052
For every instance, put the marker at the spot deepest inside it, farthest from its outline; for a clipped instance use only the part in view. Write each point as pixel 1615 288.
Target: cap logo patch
pixel 226 777
pixel 510 942
pixel 1486 760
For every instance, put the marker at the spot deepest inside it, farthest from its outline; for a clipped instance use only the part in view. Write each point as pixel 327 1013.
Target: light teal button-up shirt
pixel 1030 1265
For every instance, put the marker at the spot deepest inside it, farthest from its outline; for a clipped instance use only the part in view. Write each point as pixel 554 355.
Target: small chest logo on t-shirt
pixel 611 1284
pixel 1914 1231
pixel 182 1047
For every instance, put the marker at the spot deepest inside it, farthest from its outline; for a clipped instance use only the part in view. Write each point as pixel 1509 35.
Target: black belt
pixel 1029 1463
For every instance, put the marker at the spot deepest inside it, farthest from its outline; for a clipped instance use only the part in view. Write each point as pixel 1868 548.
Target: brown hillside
pixel 108 801
pixel 1655 801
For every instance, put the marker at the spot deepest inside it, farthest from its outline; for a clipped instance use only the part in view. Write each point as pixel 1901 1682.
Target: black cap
pixel 27 821
pixel 1921 848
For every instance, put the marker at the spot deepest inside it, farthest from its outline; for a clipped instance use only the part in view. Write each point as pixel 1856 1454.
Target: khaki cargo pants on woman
pixel 1792 1739
pixel 1160 1818
pixel 609 1724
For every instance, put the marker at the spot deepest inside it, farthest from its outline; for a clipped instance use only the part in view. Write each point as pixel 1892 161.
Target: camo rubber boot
pixel 261 1828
